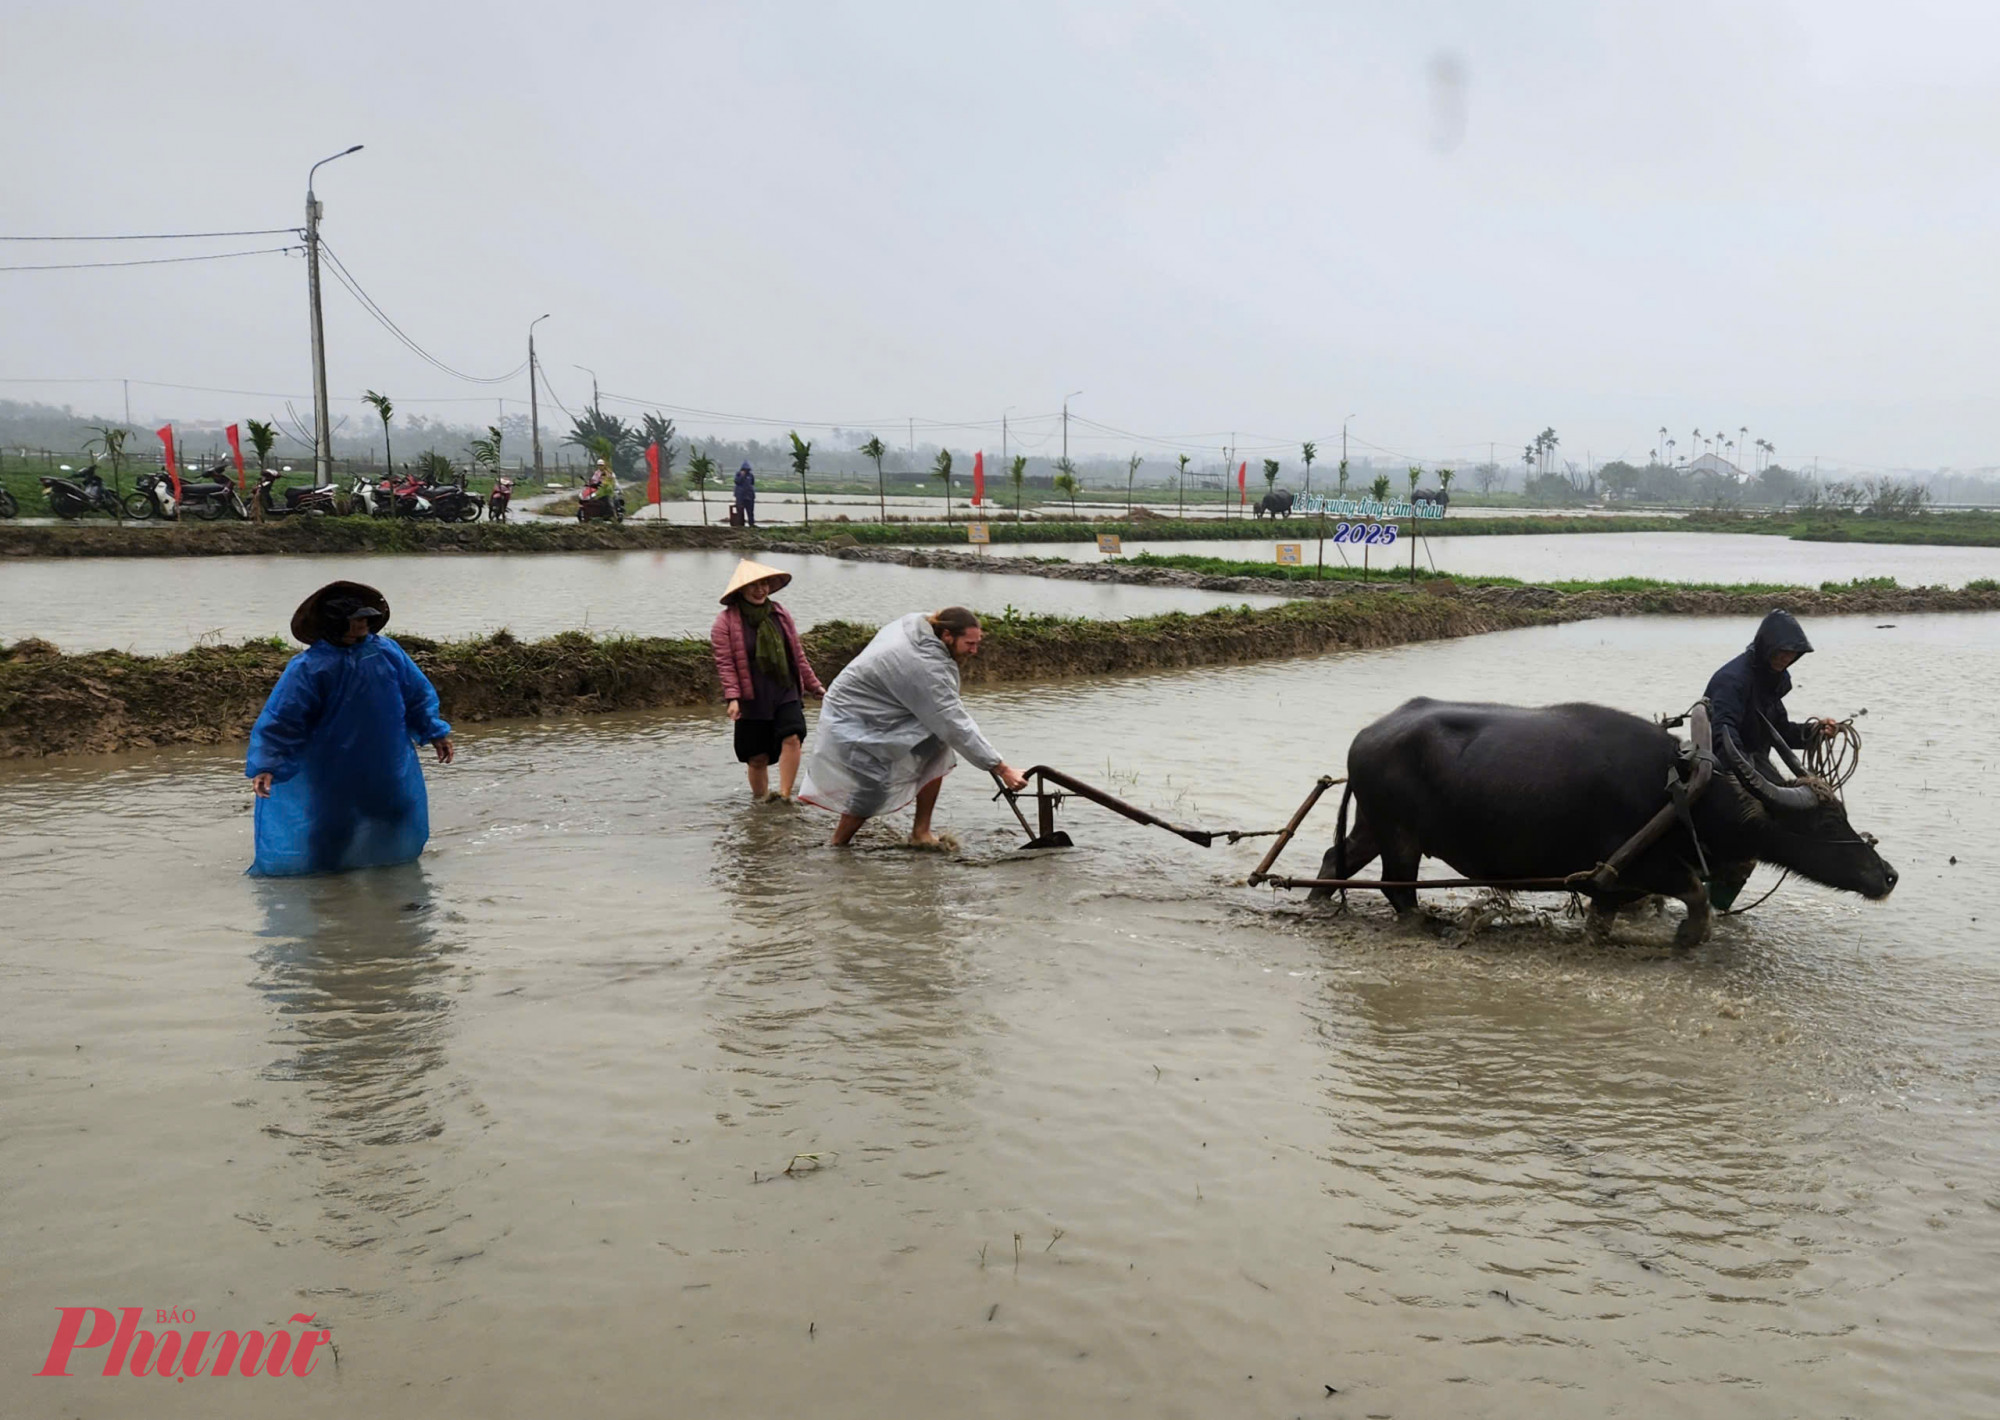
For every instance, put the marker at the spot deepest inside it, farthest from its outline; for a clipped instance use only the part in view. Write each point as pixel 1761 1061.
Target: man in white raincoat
pixel 892 725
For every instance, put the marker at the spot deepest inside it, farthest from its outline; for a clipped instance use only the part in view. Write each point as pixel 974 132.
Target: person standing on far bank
pixel 893 725
pixel 765 677
pixel 746 494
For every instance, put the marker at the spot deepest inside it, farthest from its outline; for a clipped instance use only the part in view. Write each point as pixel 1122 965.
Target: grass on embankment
pixel 53 704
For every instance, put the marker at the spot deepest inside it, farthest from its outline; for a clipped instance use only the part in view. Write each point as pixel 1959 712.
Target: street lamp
pixel 322 427
pixel 1066 399
pixel 593 382
pixel 534 405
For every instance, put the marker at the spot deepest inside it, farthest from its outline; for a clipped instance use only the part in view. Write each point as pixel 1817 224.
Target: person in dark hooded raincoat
pixel 332 757
pixel 1750 690
pixel 1747 702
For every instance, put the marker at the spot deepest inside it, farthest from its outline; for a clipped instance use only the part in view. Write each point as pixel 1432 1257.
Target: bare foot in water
pixel 926 839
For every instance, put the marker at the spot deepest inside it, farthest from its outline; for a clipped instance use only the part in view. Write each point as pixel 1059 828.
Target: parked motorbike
pixel 445 502
pixel 498 500
pixel 284 503
pixel 207 496
pixel 8 507
pixel 362 497
pixel 78 496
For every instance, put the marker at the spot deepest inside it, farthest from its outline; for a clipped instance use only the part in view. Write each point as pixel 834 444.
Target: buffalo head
pixel 1802 826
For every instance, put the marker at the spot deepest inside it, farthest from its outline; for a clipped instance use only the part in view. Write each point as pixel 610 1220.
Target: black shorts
pixel 766 738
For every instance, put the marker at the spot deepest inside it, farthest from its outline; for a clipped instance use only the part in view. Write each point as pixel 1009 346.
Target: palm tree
pixel 1065 481
pixel 262 438
pixel 1445 476
pixel 1308 452
pixel 1018 471
pixel 1665 442
pixel 941 470
pixel 388 411
pixel 802 452
pixel 486 451
pixel 623 438
pixel 876 449
pixel 1182 512
pixel 1131 472
pixel 701 468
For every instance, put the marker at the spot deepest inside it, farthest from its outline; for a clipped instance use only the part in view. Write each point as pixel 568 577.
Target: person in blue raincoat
pixel 746 494
pixel 333 756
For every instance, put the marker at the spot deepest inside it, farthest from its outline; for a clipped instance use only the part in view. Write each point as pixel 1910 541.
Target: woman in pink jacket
pixel 765 677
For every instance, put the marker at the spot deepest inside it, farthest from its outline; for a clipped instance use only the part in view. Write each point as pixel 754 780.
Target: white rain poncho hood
pixel 891 723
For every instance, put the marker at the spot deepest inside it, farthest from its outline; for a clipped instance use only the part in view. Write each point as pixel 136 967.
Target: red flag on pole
pixel 653 483
pixel 978 478
pixel 236 448
pixel 1242 475
pixel 166 433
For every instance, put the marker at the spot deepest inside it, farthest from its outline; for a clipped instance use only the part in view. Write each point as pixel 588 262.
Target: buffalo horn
pixel 1783 797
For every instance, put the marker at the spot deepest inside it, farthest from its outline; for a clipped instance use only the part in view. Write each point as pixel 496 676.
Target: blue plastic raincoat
pixel 338 737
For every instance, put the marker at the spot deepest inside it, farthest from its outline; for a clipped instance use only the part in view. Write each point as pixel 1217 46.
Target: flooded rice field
pixel 155 605
pixel 777 507
pixel 1066 1133
pixel 1677 557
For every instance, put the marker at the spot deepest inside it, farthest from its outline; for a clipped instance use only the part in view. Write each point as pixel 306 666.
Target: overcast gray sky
pixel 1458 222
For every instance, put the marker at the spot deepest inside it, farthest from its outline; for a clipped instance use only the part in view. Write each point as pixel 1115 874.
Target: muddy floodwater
pixel 1673 557
pixel 1069 1134
pixel 154 605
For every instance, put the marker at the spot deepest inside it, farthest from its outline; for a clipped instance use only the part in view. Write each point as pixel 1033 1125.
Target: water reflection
pixel 357 969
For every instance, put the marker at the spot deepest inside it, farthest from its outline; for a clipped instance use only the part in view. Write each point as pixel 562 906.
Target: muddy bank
pixel 1665 600
pixel 52 704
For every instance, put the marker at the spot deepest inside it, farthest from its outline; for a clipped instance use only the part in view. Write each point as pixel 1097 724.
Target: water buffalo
pixel 1278 503
pixel 1503 792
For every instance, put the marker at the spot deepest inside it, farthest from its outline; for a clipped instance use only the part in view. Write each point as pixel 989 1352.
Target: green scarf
pixel 769 655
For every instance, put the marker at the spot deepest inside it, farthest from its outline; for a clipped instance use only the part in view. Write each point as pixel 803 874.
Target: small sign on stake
pixel 980 533
pixel 1110 544
pixel 1291 554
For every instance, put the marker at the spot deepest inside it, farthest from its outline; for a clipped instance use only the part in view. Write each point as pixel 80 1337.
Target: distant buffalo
pixel 1439 496
pixel 1278 502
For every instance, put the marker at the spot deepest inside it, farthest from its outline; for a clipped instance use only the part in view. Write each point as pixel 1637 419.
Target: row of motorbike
pixel 211 494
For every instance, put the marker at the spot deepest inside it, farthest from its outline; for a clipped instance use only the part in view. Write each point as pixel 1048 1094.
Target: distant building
pixel 1721 467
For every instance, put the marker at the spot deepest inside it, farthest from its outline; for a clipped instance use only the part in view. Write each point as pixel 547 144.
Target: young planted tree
pixel 1343 478
pixel 1445 476
pixel 1380 488
pixel 701 468
pixel 1308 451
pixel 1270 477
pixel 386 411
pixel 941 471
pixel 1065 481
pixel 1018 472
pixel 111 439
pixel 1416 476
pixel 434 467
pixel 876 449
pixel 1183 486
pixel 1131 472
pixel 802 453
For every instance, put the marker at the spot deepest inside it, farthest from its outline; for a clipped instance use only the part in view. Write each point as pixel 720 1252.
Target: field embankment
pixel 101 538
pixel 52 704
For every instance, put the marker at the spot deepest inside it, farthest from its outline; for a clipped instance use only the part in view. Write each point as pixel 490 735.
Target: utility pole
pixel 534 403
pixel 593 383
pixel 128 400
pixel 1066 399
pixel 322 421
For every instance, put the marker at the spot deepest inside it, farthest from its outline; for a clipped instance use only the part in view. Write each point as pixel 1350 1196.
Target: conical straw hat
pixel 747 572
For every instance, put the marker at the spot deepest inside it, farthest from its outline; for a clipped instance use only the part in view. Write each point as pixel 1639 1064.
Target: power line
pixel 347 279
pixel 148 261
pixel 164 236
